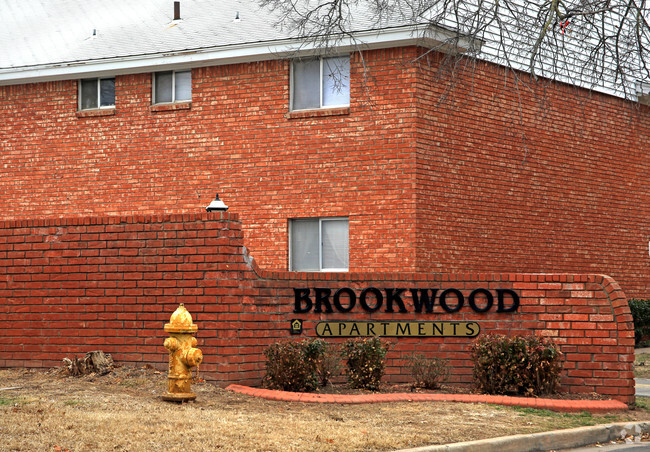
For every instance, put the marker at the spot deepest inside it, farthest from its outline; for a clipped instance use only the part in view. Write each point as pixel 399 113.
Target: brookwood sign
pixel 372 299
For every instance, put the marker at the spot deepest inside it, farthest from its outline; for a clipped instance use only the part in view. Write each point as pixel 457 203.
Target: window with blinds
pixel 172 86
pixel 320 83
pixel 319 244
pixel 96 93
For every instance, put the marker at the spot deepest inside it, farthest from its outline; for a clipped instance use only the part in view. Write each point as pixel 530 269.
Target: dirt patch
pixel 123 411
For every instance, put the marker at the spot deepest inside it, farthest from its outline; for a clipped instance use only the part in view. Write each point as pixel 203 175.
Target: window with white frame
pixel 96 93
pixel 320 83
pixel 172 86
pixel 319 244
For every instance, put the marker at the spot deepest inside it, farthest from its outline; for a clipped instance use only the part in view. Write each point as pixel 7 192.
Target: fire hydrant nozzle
pixel 183 355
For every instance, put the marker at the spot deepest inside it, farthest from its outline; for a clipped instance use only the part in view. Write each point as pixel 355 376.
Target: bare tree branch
pixel 597 44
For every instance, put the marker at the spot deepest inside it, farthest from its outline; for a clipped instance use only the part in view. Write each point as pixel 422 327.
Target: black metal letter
pixel 515 300
pixel 378 296
pixel 459 296
pixel 301 295
pixel 488 296
pixel 337 299
pixel 322 297
pixel 397 298
pixel 418 302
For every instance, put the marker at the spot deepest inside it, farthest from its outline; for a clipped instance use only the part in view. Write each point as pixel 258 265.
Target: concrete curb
pixel 555 440
pixel 574 406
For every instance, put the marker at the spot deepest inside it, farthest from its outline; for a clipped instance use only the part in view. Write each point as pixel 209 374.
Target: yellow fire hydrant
pixel 183 355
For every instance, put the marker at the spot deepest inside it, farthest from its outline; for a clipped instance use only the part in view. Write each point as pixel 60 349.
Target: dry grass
pixel 642 365
pixel 123 412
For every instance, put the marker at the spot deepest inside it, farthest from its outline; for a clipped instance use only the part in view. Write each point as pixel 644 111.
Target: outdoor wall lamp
pixel 217 205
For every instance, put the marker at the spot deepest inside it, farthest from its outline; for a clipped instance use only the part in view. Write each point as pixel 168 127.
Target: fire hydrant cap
pixel 181 322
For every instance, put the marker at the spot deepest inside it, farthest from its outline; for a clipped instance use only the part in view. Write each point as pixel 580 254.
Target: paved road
pixel 642 387
pixel 615 447
pixel 642 384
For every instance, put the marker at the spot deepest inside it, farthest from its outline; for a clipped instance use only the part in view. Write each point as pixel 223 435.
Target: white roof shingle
pixel 61 31
pixel 58 39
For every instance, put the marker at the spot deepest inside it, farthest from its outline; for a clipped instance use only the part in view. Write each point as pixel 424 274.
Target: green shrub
pixel 428 373
pixel 365 359
pixel 528 365
pixel 641 315
pixel 297 366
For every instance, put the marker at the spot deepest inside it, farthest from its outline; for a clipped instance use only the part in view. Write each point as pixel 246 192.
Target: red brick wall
pixel 73 285
pixel 237 140
pixel 530 176
pixel 457 174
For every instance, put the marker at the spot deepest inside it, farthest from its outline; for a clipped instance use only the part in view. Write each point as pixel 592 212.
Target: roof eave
pixel 422 35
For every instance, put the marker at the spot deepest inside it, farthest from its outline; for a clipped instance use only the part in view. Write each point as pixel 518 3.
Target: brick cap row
pixel 120 219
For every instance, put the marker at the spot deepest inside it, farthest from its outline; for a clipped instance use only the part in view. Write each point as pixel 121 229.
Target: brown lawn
pixel 122 411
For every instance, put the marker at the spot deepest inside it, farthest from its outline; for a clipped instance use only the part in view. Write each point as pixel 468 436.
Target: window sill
pixel 318 113
pixel 95 112
pixel 171 107
pixel 326 270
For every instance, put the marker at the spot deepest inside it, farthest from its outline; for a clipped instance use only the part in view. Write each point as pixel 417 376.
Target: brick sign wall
pixel 73 285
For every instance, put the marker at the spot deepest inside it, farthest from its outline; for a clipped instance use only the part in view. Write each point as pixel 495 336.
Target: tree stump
pixel 96 362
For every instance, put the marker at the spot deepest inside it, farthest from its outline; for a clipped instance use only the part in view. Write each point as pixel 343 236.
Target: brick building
pixel 370 158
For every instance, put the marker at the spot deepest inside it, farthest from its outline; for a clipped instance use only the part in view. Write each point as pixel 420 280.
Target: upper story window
pixel 172 86
pixel 319 244
pixel 96 93
pixel 320 83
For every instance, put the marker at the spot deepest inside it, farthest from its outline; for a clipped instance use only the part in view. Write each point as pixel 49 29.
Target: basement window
pixel 320 83
pixel 319 244
pixel 172 86
pixel 96 93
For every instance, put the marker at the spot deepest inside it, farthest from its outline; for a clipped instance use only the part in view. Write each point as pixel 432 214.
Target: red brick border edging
pixel 592 406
